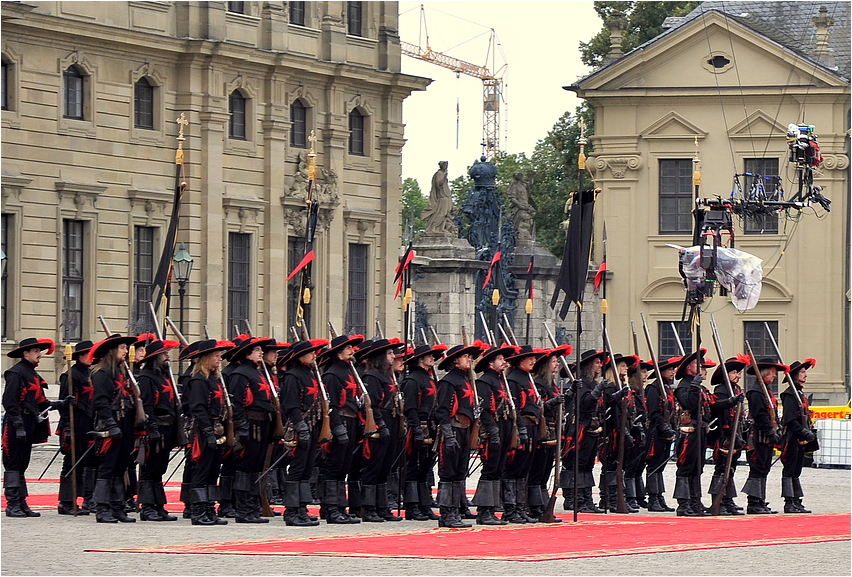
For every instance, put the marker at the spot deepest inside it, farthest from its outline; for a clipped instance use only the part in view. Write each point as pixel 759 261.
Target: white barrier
pixel 835 443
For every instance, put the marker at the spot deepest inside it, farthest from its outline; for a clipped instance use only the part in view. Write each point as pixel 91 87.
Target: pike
pixel 182 459
pixel 140 409
pixel 71 426
pixel 180 421
pixel 303 314
pixel 677 340
pixel 658 378
pixel 548 516
pixel 621 504
pixel 717 498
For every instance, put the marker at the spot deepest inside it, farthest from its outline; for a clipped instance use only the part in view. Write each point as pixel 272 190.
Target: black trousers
pixel 338 461
pixel 379 454
pixel 541 466
pixel 115 454
pixel 518 465
pixel 690 450
pixel 452 465
pixel 792 458
pixel 17 452
pixel 157 457
pixel 250 459
pixel 760 460
pixel 658 453
pixel 494 456
pixel 82 426
pixel 302 460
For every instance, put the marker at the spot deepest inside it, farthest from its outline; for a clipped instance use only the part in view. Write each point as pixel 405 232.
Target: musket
pixel 141 419
pixel 477 408
pixel 717 498
pixel 278 425
pixel 677 340
pixel 621 504
pixel 398 399
pixel 325 428
pixel 68 354
pixel 370 428
pixel 180 420
pixel 658 378
pixel 548 516
pixel 542 426
pixel 230 437
pixel 770 407
pixel 513 439
pixel 804 416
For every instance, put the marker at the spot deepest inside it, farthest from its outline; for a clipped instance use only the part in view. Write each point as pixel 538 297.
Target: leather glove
pixel 340 434
pixel 557 400
pixel 598 390
pixel 451 445
pixel 667 432
pixel 809 436
pixel 697 380
pixel 154 433
pixel 621 393
pixel 494 435
pixel 628 439
pixel 417 434
pixel 209 437
pixel 523 437
pixel 62 404
pixel 737 399
pixel 304 434
pixel 774 439
pixel 20 432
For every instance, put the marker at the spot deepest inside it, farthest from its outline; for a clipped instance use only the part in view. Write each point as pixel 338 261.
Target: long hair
pixel 108 362
pixel 379 363
pixel 155 363
pixel 203 365
pixel 545 373
pixel 586 372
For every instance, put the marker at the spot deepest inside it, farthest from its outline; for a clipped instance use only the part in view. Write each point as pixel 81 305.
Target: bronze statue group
pixel 360 426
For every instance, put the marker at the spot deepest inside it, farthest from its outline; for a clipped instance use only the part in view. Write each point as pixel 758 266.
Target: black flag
pixel 575 257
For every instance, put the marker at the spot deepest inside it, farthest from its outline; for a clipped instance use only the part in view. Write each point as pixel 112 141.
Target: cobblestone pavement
pixel 54 545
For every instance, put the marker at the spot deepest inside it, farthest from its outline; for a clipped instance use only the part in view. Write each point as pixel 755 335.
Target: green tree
pixel 413 203
pixel 640 21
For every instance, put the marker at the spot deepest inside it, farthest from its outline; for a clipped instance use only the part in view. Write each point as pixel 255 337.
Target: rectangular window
pixel 4 79
pixel 297 13
pixel 73 94
pixel 668 343
pixel 237 7
pixel 239 254
pixel 676 196
pixel 237 126
pixel 356 133
pixel 763 189
pixel 761 345
pixel 4 240
pixel 72 281
pixel 295 253
pixel 299 125
pixel 357 300
pixel 354 12
pixel 143 277
pixel 144 104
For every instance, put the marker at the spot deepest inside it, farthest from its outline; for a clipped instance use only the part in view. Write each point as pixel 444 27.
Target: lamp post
pixel 182 269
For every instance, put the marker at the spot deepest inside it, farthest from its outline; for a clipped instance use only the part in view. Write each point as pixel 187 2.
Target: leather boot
pixel 588 505
pixel 117 502
pixel 368 502
pixel 568 499
pixel 334 515
pixel 101 498
pixel 210 505
pixel 695 495
pixel 510 512
pixel 12 488
pixel 160 500
pixel 147 499
pixel 683 494
pixel 424 496
pixel 654 503
pixel 731 507
pixel 662 501
pixel 382 504
pixel 226 497
pixel 630 495
pixel 23 500
pixel 534 502
pixel 462 504
pixel 306 496
pixel 198 512
pixel 640 492
pixel 790 505
pixel 90 477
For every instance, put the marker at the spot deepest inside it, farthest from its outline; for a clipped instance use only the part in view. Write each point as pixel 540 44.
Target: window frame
pixel 295 123
pixel 761 345
pixel 142 282
pixel 679 196
pixel 236 7
pixel 295 17
pixel 4 90
pixel 73 72
pixel 138 102
pixel 233 124
pixel 295 253
pixel 666 343
pixel 6 222
pixel 357 134
pixel 757 225
pixel 239 297
pixel 70 333
pixel 355 18
pixel 357 287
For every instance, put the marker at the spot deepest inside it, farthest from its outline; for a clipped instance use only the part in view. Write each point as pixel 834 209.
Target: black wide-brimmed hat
pixel 190 351
pixel 559 351
pixel 154 348
pixel 207 346
pixel 524 352
pixel 799 365
pixel 81 348
pixel 436 351
pixel 686 361
pixel 247 344
pixel 670 363
pixel 101 348
pixel 32 343
pixel 378 347
pixel 144 338
pixel 736 363
pixel 631 360
pixel 274 345
pixel 304 347
pixel 490 354
pixel 238 341
pixel 647 365
pixel 457 351
pixel 340 342
pixel 362 350
pixel 768 362
pixel 708 363
pixel 592 355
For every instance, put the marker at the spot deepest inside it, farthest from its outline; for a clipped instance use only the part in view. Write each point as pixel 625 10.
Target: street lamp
pixel 182 268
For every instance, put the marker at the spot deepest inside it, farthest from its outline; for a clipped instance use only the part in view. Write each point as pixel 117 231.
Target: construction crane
pixel 492 83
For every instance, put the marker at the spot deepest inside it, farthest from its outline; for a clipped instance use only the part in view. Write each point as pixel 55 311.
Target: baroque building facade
pixel 91 94
pixel 730 77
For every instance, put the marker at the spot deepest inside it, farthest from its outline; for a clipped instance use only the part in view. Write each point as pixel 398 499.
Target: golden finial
pixel 581 158
pixel 181 122
pixel 696 174
pixel 312 157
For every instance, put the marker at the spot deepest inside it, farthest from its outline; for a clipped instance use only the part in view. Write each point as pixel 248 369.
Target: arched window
pixel 73 92
pixel 237 107
pixel 299 126
pixel 356 132
pixel 144 104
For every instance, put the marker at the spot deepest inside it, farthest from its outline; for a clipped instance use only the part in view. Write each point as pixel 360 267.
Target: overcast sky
pixel 540 43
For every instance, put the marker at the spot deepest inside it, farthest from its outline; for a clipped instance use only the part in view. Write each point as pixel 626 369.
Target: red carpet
pixel 593 536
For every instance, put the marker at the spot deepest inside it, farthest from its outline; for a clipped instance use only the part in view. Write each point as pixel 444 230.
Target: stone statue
pixel 523 214
pixel 438 214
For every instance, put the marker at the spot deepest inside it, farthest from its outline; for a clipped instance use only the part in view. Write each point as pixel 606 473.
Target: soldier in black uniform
pixel 207 407
pixel 454 413
pixel 301 406
pixel 613 393
pixel 189 353
pixel 800 437
pixel 661 433
pixel 497 431
pixel 419 388
pixel 585 437
pixel 25 422
pixel 254 410
pixel 719 439
pixel 546 372
pixel 275 478
pixel 528 404
pixel 86 471
pixel 229 457
pixel 764 436
pixel 635 455
pixel 343 396
pixel 114 405
pixel 162 408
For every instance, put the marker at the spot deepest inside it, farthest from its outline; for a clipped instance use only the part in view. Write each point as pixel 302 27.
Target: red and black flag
pixel 494 260
pixel 575 256
pixel 401 268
